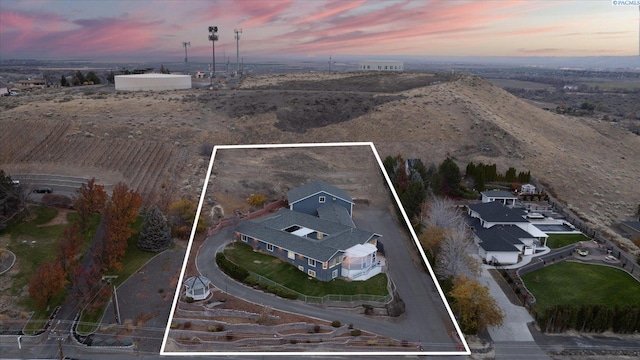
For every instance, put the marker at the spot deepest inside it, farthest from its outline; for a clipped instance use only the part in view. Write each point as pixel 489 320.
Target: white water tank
pixel 145 82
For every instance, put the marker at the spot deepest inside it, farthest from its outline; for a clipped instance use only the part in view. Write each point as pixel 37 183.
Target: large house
pixel 316 234
pixel 503 233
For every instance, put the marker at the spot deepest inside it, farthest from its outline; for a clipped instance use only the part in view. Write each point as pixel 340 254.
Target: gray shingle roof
pixel 336 214
pixel 496 212
pixel 499 194
pixel 501 238
pixel 314 187
pixel 338 237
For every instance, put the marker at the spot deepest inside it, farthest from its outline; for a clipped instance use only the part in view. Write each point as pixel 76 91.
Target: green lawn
pixel 556 241
pixel 292 278
pixel 580 284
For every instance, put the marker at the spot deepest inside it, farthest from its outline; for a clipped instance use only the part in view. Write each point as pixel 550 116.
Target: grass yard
pixel 556 241
pixel 576 283
pixel 289 276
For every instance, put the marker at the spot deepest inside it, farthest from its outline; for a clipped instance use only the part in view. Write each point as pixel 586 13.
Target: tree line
pixel 78 79
pixel 118 212
pixel 590 318
pixel 483 173
pixel 448 243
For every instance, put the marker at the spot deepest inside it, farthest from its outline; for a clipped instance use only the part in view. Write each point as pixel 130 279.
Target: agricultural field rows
pixel 143 164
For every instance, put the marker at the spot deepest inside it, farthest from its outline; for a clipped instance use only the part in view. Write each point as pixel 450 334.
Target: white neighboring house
pixel 381 65
pixel 503 233
pixel 527 189
pixel 504 197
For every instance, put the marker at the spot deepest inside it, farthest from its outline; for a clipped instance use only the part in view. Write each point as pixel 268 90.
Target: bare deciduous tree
pixel 455 255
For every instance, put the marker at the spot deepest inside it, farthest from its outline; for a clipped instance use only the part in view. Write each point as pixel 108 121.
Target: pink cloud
pixel 47 35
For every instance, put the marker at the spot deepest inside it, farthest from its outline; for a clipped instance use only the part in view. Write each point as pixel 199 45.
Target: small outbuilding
pixel 198 287
pixel 152 82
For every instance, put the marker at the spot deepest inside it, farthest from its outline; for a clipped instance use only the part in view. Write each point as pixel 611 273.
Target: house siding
pixel 300 260
pixel 311 204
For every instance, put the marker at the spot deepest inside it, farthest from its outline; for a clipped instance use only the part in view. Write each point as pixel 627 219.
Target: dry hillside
pixel 148 138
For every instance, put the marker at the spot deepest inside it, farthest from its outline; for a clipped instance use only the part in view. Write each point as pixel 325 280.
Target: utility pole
pixel 238 32
pixel 213 36
pixel 186 64
pixel 329 63
pixel 60 345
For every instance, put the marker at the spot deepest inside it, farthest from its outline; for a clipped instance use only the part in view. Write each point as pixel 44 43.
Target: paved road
pixel 421 323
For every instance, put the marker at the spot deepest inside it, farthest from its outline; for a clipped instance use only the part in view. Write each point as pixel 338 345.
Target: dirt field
pixel 149 138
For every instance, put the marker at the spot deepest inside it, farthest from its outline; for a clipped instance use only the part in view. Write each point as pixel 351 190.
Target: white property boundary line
pixel 176 296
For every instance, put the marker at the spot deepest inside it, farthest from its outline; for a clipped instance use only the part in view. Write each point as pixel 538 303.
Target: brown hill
pixel 147 139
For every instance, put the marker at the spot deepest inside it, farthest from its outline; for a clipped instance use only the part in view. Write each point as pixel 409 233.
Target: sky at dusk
pixel 102 29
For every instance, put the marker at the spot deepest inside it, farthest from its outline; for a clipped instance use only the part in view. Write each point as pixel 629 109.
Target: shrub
pixel 189 299
pixel 230 268
pixel 336 324
pixel 356 332
pixel 187 325
pixel 404 343
pixel 316 329
pixel 368 309
pixel 257 200
pixel 229 336
pixel 293 341
pixel 216 328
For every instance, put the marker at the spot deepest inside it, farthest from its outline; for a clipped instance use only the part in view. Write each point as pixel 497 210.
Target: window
pixel 270 247
pixel 322 199
pixel 291 255
pixel 300 267
pixel 312 262
pixel 311 273
pixel 244 238
pixel 334 274
pixel 325 265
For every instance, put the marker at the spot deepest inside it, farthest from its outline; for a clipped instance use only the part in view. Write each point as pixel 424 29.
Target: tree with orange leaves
pixel 69 248
pixel 91 199
pixel 473 306
pixel 48 282
pixel 120 214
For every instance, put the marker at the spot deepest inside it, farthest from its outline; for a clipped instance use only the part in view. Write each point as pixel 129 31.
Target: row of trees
pixel 449 246
pixel 11 199
pixel 590 318
pixel 415 182
pixel 79 79
pixel 483 173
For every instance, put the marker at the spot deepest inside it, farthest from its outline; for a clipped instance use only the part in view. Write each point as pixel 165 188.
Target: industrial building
pixel 381 65
pixel 153 82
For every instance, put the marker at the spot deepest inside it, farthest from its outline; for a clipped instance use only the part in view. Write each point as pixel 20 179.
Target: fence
pixel 628 263
pixel 236 219
pixel 383 299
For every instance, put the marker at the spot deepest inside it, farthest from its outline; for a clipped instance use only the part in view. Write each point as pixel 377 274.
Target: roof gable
pixel 502 194
pixel 498 213
pixel 315 187
pixel 501 238
pixel 338 237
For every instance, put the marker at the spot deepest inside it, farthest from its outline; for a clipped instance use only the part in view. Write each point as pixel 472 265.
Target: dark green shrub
pixel 336 323
pixel 356 332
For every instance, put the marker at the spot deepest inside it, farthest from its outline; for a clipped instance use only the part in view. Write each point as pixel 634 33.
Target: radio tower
pixel 186 63
pixel 238 32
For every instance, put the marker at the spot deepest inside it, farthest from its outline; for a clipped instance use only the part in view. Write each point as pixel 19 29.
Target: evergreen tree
pixel 155 235
pixel 92 77
pixel 63 81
